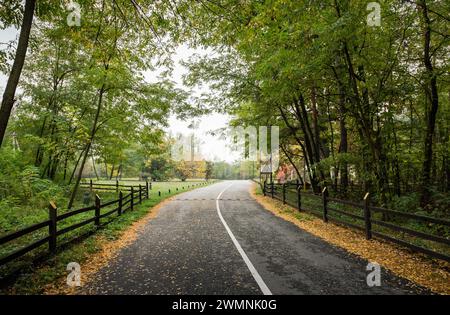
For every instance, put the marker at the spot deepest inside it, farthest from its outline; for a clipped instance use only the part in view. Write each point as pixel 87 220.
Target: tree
pixel 84 96
pixel 19 59
pixel 347 96
pixel 432 98
pixel 209 170
pixel 182 170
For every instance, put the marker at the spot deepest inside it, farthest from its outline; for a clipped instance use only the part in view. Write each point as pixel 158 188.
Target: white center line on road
pixel 253 271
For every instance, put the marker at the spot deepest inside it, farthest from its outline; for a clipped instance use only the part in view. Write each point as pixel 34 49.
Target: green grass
pixel 26 276
pixel 162 187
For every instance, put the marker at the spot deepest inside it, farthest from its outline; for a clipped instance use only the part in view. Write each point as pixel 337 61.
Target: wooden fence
pixel 97 186
pixel 363 217
pixel 124 203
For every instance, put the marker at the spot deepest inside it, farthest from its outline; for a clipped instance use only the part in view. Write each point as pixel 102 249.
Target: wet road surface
pixel 218 240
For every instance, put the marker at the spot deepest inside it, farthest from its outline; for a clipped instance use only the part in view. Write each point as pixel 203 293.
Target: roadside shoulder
pixel 414 267
pixel 109 249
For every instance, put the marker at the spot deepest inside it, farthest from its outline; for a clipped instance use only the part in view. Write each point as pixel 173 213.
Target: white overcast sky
pixel 211 147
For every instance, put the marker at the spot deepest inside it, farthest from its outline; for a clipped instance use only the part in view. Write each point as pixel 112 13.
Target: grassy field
pixel 29 274
pixel 156 186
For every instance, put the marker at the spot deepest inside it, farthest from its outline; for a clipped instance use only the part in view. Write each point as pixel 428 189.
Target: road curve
pixel 202 244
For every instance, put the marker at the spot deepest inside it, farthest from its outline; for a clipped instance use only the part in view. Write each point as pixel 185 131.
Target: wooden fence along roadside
pixel 283 192
pixel 125 202
pixel 97 186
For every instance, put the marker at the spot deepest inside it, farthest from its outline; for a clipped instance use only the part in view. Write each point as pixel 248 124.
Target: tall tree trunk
pixel 306 151
pixel 19 59
pixel 93 166
pixel 76 165
pixel 396 167
pixel 39 153
pixel 112 172
pixel 311 149
pixel 46 168
pixel 106 170
pixel 446 154
pixel 50 105
pixel 119 171
pixel 343 144
pixel 54 166
pixel 315 119
pixel 66 160
pixel 292 163
pixel 432 96
pixel 88 146
pixel 343 147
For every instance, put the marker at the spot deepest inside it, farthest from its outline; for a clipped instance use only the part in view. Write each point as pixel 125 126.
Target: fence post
pixel 117 185
pixel 90 184
pixel 272 188
pixel 284 193
pixel 146 189
pixel 368 223
pixel 264 188
pixel 140 193
pixel 97 210
pixel 52 213
pixel 299 198
pixel 119 209
pixel 325 201
pixel 132 199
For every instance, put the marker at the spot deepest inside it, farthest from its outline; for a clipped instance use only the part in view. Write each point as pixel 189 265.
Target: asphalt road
pixel 218 240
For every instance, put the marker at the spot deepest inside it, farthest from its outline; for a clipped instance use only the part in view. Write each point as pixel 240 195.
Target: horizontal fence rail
pixel 129 197
pixel 363 217
pixel 116 186
pixel 135 196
